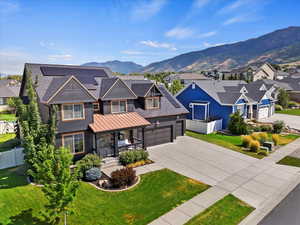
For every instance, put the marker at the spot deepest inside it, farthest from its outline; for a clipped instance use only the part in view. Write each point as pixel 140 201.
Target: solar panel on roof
pixel 63 71
pixel 170 98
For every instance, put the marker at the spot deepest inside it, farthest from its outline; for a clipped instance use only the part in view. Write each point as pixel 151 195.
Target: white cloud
pixel 8 7
pixel 208 34
pixel 146 9
pixel 46 44
pixel 241 18
pixel 236 5
pixel 200 3
pixel 180 33
pixel 208 45
pixel 57 57
pixel 131 52
pixel 155 44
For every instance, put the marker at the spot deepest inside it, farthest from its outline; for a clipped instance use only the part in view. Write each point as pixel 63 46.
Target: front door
pixel 105 145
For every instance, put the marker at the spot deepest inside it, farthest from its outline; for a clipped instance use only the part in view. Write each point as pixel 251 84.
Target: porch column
pixel 143 138
pixel 116 147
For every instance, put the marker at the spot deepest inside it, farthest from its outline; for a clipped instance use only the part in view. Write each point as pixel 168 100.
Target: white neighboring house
pixel 8 89
pixel 266 71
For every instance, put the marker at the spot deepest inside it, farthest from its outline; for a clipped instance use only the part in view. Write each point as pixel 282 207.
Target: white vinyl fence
pixel 12 158
pixel 7 127
pixel 203 126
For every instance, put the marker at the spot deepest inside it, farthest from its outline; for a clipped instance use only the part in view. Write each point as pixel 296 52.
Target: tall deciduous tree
pixel 175 87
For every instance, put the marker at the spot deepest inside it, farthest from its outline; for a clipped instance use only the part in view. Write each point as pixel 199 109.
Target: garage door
pixel 263 113
pixel 179 128
pixel 157 136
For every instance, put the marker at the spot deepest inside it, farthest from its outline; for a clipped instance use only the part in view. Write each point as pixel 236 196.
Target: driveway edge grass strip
pixel 293 112
pixel 227 211
pixel 289 161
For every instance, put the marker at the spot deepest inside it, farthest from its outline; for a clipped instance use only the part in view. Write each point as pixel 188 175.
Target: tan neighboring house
pixel 8 89
pixel 266 71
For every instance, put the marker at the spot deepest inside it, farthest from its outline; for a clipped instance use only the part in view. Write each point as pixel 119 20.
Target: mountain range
pixel 118 66
pixel 280 46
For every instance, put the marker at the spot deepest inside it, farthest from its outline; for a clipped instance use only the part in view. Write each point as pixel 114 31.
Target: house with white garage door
pixel 211 102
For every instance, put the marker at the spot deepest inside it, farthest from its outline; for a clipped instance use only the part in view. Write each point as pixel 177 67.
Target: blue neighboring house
pixel 210 100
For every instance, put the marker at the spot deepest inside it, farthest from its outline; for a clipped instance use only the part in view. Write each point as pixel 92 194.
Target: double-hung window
pixel 72 112
pixel 118 106
pixel 74 142
pixel 152 103
pixel 2 102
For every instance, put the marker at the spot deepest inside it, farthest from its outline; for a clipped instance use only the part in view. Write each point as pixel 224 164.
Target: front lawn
pixel 290 161
pixel 8 141
pixel 235 142
pixel 157 193
pixel 228 211
pixel 8 117
pixel 294 112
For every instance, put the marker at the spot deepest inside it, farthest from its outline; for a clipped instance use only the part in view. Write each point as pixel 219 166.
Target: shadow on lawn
pixel 13 177
pixel 26 218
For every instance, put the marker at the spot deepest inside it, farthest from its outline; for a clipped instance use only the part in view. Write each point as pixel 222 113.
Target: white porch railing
pixel 7 127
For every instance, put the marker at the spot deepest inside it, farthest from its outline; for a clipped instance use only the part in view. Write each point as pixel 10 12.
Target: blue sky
pixel 143 31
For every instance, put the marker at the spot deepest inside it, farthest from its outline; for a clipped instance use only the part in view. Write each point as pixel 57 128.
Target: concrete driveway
pixel 291 121
pixel 253 181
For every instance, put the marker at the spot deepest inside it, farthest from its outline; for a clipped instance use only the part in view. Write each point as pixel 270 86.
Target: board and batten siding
pixel 216 110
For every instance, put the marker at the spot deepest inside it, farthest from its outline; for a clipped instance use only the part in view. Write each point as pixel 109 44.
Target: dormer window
pixel 72 112
pixel 118 106
pixel 152 103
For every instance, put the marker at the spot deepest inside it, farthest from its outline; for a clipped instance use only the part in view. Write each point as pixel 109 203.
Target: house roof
pixel 189 76
pixel 131 77
pixel 120 121
pixel 8 90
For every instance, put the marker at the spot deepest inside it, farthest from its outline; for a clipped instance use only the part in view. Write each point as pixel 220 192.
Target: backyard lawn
pixel 7 117
pixel 294 112
pixel 235 142
pixel 228 211
pixel 157 193
pixel 8 141
pixel 290 161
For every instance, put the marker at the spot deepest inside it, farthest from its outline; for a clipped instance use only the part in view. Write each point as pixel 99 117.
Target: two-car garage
pixel 163 134
pixel 265 111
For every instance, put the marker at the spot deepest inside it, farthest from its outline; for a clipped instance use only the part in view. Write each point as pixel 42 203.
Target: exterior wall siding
pixel 119 91
pixel 75 125
pixel 215 109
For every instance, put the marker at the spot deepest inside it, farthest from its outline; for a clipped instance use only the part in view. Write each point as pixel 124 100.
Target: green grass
pixel 235 142
pixel 8 141
pixel 226 141
pixel 8 117
pixel 294 112
pixel 290 161
pixel 157 193
pixel 228 211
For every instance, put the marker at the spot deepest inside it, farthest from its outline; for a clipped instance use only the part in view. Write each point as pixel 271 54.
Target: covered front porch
pixel 114 133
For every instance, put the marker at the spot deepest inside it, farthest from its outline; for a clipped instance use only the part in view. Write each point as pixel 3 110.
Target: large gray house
pixel 101 113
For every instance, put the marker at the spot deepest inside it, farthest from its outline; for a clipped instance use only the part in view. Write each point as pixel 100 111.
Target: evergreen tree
pixel 283 98
pixel 175 87
pixel 237 125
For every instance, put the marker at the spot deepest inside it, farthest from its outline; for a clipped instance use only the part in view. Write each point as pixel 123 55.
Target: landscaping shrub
pixel 93 174
pixel 275 138
pixel 123 177
pixel 266 128
pixel 263 137
pixel 293 104
pixel 257 129
pixel 278 108
pixel 129 157
pixel 87 162
pixel 246 140
pixel 254 146
pixel 237 124
pixel 264 153
pixel 278 127
pixel 256 136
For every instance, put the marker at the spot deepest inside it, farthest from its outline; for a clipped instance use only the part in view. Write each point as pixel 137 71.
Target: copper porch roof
pixel 117 121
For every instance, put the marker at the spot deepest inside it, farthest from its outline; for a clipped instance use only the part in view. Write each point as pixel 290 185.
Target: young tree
pixel 283 98
pixel 60 184
pixel 237 124
pixel 175 87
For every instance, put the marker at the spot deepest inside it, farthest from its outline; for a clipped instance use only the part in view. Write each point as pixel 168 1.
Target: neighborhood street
pixel 290 120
